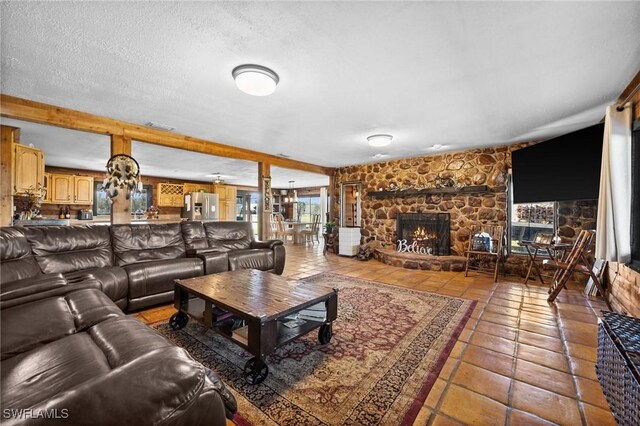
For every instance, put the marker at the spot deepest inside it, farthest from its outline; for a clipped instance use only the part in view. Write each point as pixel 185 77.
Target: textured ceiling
pixel 459 74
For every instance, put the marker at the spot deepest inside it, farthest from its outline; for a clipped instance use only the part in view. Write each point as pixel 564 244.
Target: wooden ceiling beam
pixel 41 113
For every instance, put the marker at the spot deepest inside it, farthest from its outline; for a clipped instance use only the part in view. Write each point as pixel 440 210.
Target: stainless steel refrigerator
pixel 200 206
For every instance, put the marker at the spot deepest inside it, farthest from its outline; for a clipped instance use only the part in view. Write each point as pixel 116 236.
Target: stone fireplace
pixel 424 233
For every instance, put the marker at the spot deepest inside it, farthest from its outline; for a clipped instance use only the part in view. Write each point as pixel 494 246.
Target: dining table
pixel 297 227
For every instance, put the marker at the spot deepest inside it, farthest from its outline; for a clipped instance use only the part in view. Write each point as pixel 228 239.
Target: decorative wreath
pixel 123 171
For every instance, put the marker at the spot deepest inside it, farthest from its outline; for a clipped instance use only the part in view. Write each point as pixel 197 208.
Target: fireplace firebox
pixel 426 233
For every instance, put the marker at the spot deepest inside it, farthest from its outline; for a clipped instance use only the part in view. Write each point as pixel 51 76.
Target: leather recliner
pixel 76 355
pixel 153 257
pixel 229 246
pixel 79 251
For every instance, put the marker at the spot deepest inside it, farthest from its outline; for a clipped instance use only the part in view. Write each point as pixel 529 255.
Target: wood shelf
pixel 472 189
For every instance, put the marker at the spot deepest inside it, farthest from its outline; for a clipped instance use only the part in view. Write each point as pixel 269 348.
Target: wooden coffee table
pixel 265 306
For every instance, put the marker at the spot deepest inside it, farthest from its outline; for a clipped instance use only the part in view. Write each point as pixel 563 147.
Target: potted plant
pixel 329 226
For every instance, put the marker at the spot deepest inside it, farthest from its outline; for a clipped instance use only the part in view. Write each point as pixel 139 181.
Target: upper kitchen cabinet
pixel 68 189
pixel 28 168
pixel 83 190
pixel 170 195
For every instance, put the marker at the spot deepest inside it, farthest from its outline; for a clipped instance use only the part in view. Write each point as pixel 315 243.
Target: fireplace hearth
pixel 424 233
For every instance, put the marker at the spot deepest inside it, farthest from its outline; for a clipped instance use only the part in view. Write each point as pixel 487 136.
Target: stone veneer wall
pixel 487 166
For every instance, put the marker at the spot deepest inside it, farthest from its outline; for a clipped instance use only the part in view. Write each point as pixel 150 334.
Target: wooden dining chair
pixel 283 231
pixel 480 256
pixel 309 233
pixel 576 261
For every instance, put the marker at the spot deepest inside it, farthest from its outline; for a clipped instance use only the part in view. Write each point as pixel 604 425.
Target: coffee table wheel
pixel 325 333
pixel 178 320
pixel 255 371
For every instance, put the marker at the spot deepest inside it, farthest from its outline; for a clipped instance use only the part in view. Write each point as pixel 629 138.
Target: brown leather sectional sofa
pixel 67 349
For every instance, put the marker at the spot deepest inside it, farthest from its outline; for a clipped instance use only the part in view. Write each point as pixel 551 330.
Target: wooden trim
pixel 635 82
pixel 10 135
pixel 121 207
pixel 264 170
pixel 37 112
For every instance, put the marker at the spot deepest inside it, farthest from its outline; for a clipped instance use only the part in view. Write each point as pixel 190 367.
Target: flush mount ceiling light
pixel 379 140
pixel 255 80
pixel 437 146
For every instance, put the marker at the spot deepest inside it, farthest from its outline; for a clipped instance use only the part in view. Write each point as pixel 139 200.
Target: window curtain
pixel 613 232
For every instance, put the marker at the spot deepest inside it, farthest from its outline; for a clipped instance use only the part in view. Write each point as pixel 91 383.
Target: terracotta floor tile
pixel 504 302
pixel 537 327
pixel 465 335
pixel 595 416
pixel 544 377
pixel 500 319
pixel 448 367
pixel 547 405
pixel 520 418
pixel 483 382
pixel 579 316
pixel 581 351
pixel 488 359
pixel 583 368
pixel 469 407
pixel 541 341
pixel 441 420
pixel 457 350
pixel 422 419
pixel 543 357
pixel 503 331
pixel 494 343
pixel 590 391
pixel 435 393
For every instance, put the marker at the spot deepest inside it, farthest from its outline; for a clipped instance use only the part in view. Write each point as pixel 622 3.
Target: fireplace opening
pixel 426 233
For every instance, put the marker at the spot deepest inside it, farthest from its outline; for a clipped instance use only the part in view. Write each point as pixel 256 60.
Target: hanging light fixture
pixel 292 194
pixel 379 140
pixel 255 80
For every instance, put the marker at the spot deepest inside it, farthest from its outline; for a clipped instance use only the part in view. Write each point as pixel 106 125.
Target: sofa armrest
pixel 28 286
pixel 214 261
pixel 269 244
pixel 40 287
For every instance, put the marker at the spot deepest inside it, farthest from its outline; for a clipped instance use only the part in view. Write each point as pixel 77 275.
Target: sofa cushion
pixel 194 235
pixel 18 262
pixel 145 243
pixel 113 282
pixel 51 319
pixel 225 236
pixel 261 259
pixel 157 277
pixel 70 248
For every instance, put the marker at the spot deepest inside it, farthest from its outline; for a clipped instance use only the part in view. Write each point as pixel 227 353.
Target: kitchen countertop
pixel 99 220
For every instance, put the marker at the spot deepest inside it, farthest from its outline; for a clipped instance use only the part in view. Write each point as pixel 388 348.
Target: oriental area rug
pixel 388 347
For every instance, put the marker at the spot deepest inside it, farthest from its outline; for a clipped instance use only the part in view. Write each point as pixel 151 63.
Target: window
pixel 528 221
pixel 308 205
pixel 140 201
pixel 635 196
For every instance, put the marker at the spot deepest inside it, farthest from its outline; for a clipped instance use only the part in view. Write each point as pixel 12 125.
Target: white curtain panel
pixel 613 234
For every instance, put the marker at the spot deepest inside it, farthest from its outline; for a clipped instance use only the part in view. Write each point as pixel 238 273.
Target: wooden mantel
pixel 472 189
pixel 38 112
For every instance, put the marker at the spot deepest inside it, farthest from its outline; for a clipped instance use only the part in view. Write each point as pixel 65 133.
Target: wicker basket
pixel 618 366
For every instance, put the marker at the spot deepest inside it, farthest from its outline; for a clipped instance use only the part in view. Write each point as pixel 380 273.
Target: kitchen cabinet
pixel 28 168
pixel 69 189
pixel 47 185
pixel 82 190
pixel 195 187
pixel 227 201
pixel 61 187
pixel 170 195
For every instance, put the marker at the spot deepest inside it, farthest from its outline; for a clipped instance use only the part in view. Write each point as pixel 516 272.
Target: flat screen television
pixel 563 168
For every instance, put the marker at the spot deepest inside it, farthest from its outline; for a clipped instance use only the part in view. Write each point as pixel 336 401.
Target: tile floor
pixel 519 360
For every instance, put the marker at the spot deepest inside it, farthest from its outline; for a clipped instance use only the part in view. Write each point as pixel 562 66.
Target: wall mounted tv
pixel 563 168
